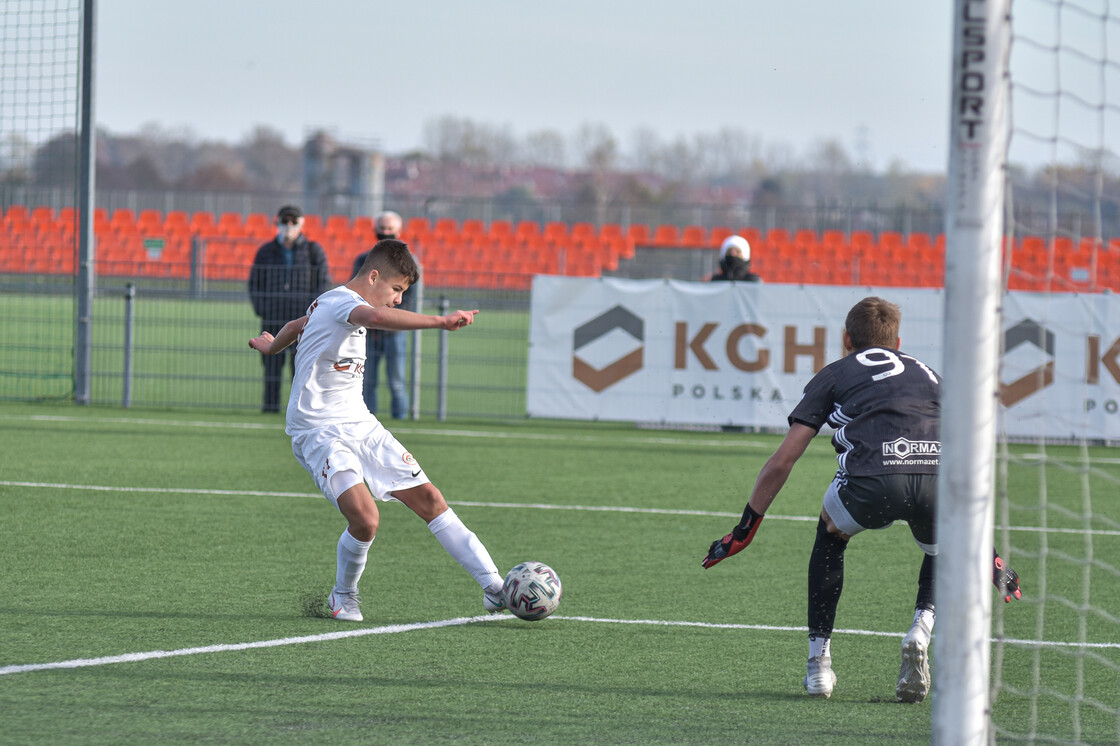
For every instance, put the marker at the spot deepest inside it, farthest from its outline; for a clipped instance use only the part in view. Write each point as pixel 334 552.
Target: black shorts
pixel 859 503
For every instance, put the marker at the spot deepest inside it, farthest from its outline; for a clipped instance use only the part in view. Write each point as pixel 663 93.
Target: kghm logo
pixel 598 379
pixel 904 449
pixel 1029 332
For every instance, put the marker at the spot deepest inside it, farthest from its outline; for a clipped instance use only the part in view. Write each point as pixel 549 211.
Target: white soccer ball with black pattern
pixel 532 590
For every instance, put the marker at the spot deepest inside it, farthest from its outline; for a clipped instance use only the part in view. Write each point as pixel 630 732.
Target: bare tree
pixel 545 148
pixel 596 148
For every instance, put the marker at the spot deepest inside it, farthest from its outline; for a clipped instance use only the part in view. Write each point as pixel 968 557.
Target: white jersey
pixel 330 365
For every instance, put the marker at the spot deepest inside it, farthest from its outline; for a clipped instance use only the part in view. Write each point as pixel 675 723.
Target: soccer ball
pixel 532 590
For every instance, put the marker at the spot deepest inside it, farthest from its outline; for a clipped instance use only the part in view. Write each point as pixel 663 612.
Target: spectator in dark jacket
pixel 289 272
pixel 735 261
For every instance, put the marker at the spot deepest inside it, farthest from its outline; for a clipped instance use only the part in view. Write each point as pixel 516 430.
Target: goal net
pixel 1034 185
pixel 1056 657
pixel 40 46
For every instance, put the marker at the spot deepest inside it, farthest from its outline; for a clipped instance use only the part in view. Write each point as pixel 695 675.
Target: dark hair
pixel 391 255
pixel 289 211
pixel 873 322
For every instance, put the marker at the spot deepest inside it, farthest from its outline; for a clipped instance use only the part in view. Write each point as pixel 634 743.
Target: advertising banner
pixel 739 354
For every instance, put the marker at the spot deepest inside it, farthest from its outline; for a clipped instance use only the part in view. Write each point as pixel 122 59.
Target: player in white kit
pixel 353 458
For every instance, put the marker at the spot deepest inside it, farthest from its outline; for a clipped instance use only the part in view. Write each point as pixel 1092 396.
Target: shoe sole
pixel 913 675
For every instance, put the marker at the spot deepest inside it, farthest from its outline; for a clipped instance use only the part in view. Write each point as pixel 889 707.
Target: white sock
pixel 351 562
pixel 820 646
pixel 461 543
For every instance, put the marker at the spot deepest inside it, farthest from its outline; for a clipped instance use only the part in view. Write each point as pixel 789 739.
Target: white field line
pixel 408 429
pixel 458 621
pixel 475 504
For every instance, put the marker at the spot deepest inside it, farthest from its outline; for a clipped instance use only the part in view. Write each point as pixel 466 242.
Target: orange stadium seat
pixel 778 238
pixel 203 223
pixel 584 231
pixel 259 226
pixel 527 230
pixel 42 218
pixel 16 215
pixel 176 223
pixel 313 227
pixel 694 237
pixel 639 234
pixel 337 228
pixel 123 220
pixel 230 225
pixel 417 227
pixel 667 235
pixel 557 232
pixel 719 234
pixel 611 231
pixel 805 237
pixel 150 222
pixel 363 234
pixel 446 227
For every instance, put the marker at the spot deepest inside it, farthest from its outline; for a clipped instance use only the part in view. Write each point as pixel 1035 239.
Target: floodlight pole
pixel 969 401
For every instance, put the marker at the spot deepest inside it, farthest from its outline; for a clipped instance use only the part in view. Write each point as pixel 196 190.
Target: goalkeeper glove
pixel 1005 579
pixel 734 542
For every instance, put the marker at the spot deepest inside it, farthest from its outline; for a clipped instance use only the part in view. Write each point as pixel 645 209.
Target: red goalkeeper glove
pixel 1005 579
pixel 734 542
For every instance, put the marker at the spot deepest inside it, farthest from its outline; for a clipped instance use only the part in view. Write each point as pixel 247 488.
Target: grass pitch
pixel 164 575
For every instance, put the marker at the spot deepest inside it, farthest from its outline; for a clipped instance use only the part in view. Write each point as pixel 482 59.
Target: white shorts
pixel 367 449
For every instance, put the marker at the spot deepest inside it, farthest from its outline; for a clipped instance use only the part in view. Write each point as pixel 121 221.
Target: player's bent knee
pixel 360 510
pixel 424 500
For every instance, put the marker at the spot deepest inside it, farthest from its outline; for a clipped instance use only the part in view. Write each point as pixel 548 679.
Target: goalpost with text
pixel 1036 108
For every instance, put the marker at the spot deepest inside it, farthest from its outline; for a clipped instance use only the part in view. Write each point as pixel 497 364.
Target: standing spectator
pixel 392 346
pixel 289 272
pixel 735 261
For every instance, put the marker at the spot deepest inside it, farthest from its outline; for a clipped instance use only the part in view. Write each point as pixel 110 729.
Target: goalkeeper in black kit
pixel 885 408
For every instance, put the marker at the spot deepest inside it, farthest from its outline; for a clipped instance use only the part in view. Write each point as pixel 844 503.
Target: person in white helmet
pixel 735 262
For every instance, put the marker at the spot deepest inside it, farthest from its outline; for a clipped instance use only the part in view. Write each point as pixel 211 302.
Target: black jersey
pixel 885 407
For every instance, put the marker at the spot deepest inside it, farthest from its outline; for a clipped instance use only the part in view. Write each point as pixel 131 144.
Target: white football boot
pixel 819 677
pixel 345 606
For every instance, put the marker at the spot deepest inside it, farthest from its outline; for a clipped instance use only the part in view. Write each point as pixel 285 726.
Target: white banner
pixel 739 354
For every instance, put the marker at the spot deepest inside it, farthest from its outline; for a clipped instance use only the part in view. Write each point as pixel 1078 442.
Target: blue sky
pixel 871 74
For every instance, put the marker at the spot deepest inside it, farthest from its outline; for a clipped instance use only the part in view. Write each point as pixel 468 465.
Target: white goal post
pixel 974 232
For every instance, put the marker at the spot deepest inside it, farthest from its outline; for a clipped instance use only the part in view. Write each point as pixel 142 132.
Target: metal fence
pixel 162 343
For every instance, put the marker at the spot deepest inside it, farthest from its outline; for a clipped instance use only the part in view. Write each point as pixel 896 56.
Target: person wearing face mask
pixel 288 273
pixel 392 347
pixel 735 262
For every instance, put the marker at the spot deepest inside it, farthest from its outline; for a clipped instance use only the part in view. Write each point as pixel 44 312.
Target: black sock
pixel 826 580
pixel 925 584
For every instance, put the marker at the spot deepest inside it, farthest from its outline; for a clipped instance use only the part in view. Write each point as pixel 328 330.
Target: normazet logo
pixel 1029 332
pixel 598 379
pixel 904 449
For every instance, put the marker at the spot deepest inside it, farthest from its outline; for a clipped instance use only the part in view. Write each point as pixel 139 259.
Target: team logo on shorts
pixel 344 364
pixel 904 449
pixel 409 459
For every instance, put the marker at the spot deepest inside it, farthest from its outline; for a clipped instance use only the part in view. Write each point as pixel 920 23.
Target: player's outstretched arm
pixel 266 344
pixel 399 319
pixel 771 478
pixel 1005 579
